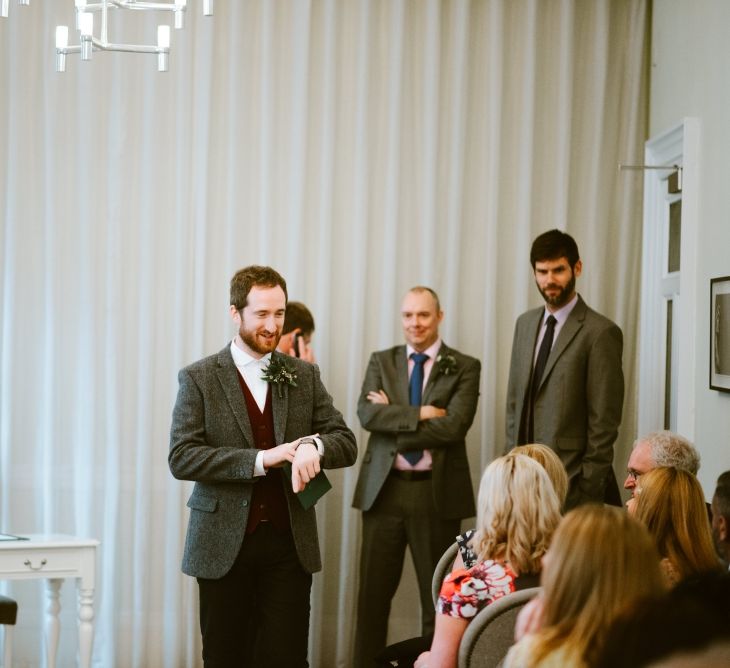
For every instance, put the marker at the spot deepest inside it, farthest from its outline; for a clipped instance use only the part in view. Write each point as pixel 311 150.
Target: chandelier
pixel 4 6
pixel 89 43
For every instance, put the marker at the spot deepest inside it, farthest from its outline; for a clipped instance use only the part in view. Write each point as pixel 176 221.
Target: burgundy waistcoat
pixel 268 502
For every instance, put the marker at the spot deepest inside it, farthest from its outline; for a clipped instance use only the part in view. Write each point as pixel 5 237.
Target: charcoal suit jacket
pixel 395 427
pixel 580 397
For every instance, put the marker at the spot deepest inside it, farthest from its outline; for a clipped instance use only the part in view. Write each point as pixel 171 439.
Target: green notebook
pixel 315 489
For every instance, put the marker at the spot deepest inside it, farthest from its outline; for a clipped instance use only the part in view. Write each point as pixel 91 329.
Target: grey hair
pixel 670 449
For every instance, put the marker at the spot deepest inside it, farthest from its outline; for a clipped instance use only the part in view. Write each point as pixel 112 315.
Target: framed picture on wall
pixel 720 334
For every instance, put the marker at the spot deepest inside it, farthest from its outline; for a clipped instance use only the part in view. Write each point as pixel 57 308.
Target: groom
pixel 240 416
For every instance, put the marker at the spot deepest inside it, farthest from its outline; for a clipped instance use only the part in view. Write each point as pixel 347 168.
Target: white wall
pixel 690 62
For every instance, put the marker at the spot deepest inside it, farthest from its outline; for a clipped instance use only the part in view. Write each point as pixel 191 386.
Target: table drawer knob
pixel 28 563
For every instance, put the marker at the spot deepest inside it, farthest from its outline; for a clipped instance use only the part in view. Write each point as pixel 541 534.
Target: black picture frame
pixel 720 334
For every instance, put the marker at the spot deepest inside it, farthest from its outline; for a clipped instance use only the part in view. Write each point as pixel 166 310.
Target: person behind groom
pixel 240 415
pixel 418 402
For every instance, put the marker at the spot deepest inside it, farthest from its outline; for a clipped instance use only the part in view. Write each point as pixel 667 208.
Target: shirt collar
pixel 241 358
pixel 561 315
pixel 431 351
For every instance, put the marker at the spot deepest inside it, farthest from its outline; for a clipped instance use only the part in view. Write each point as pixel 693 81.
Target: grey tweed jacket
pixel 211 442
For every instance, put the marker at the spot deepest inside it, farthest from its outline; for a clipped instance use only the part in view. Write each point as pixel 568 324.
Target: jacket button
pixel 245 503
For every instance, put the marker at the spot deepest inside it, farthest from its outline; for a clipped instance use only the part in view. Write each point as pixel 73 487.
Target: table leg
pixel 86 626
pixel 53 625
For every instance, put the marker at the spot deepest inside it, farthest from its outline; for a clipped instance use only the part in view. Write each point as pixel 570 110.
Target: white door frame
pixel 679 146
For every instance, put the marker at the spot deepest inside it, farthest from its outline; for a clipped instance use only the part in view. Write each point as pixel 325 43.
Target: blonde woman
pixel 517 513
pixel 550 461
pixel 466 557
pixel 670 503
pixel 600 560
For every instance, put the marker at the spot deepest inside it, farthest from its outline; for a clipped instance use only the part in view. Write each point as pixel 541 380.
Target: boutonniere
pixel 446 363
pixel 279 374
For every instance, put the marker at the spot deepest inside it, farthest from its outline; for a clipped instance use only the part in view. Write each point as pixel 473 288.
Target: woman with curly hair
pixel 670 503
pixel 600 560
pixel 466 557
pixel 518 511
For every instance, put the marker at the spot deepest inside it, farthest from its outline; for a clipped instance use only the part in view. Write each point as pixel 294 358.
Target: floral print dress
pixel 466 591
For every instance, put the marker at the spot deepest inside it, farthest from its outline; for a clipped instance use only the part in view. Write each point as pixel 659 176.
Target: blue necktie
pixel 416 390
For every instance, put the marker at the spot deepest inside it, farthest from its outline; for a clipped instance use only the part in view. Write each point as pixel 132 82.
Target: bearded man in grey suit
pixel 240 416
pixel 566 385
pixel 418 402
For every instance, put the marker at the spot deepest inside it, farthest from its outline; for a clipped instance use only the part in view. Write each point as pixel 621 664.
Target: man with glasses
pixel 660 448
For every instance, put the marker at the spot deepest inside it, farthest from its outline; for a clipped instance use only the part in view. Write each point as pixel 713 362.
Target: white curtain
pixel 359 147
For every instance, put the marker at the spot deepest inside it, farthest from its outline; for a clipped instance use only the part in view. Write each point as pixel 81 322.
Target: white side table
pixel 54 558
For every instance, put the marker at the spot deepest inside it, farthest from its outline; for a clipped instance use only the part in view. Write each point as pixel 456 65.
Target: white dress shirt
pixel 252 370
pixel 561 315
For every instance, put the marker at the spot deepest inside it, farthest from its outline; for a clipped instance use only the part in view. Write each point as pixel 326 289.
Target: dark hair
pixel 254 276
pixel 722 495
pixel 553 245
pixel 298 316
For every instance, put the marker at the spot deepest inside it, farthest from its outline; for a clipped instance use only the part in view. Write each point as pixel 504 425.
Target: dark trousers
pixel 403 515
pixel 258 613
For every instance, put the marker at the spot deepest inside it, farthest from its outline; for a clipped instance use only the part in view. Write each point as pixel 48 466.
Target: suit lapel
pixel 280 407
pixel 572 326
pixel 400 364
pixel 527 345
pixel 228 377
pixel 434 375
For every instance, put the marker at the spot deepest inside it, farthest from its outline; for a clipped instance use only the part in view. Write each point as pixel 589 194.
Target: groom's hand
pixel 275 457
pixel 305 465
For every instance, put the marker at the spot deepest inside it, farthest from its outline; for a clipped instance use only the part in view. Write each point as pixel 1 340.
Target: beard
pixel 253 339
pixel 562 297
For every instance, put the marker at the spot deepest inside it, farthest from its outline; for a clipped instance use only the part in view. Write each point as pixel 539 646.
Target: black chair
pixel 8 615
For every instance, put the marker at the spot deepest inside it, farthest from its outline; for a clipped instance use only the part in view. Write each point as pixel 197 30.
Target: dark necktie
pixel 416 390
pixel 543 353
pixel 540 363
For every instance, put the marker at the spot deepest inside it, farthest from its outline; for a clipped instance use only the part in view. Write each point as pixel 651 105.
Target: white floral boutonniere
pixel 446 363
pixel 279 373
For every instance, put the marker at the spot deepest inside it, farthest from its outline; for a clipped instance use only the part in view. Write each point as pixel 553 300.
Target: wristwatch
pixel 314 442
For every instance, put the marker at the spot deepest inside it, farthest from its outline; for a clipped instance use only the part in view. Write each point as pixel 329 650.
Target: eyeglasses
pixel 633 475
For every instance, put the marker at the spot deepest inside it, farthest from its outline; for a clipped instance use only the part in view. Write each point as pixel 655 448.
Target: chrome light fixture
pixel 89 43
pixel 4 6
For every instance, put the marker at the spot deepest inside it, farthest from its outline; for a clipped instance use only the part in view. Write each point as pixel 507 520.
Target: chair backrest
pixel 492 632
pixel 443 568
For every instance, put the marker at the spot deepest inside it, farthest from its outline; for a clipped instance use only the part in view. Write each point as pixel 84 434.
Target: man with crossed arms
pixel 417 401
